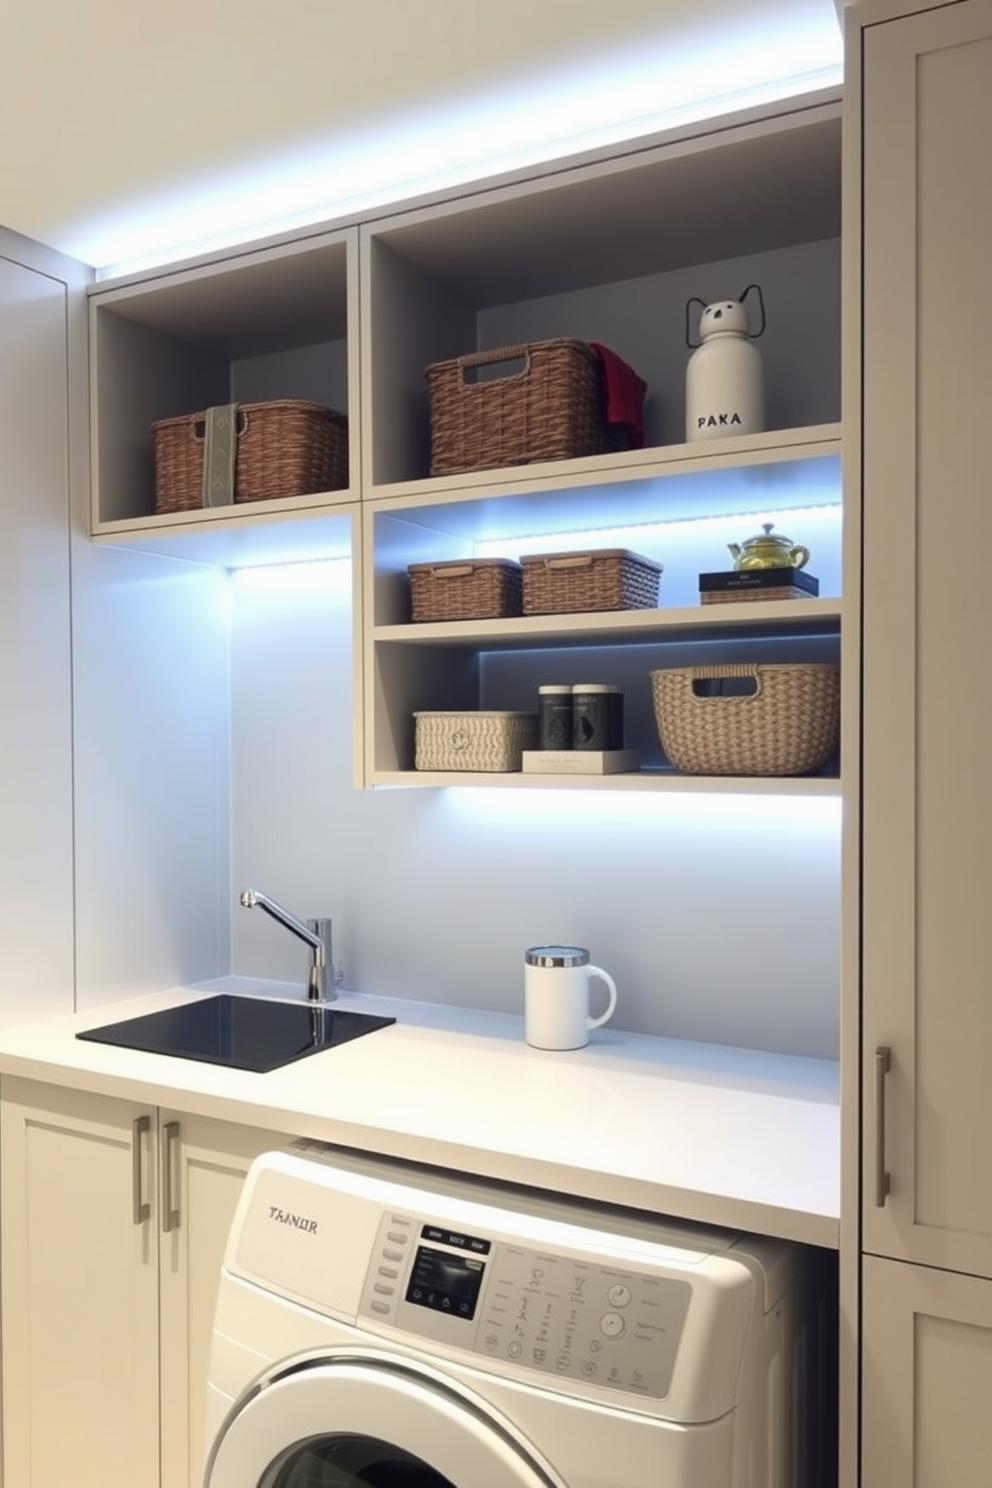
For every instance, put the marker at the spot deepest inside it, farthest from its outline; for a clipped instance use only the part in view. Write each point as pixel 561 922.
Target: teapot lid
pixel 766 536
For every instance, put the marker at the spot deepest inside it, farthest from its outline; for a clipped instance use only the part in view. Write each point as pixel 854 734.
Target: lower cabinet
pixel 112 1229
pixel 927 1377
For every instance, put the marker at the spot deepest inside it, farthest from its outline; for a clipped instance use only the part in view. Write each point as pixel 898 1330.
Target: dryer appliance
pixel 386 1325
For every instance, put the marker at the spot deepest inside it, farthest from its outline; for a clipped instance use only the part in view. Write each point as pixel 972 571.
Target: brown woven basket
pixel 788 725
pixel 608 579
pixel 551 408
pixel 473 589
pixel 285 447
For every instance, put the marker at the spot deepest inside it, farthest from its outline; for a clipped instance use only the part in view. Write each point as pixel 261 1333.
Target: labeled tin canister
pixel 597 716
pixel 554 716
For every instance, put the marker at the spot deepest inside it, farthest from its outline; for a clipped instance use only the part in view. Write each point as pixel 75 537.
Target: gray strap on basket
pixel 220 449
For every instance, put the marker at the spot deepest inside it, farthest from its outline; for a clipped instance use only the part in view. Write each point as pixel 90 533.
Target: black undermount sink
pixel 249 1033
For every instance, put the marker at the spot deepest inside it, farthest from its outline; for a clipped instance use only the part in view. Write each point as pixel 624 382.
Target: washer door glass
pixel 354 1422
pixel 355 1462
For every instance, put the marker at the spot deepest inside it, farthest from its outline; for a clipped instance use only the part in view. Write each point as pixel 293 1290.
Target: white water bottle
pixel 724 381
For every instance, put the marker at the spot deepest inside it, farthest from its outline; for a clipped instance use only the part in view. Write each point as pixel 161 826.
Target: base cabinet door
pixel 204 1163
pixel 927 1377
pixel 113 1223
pixel 79 1270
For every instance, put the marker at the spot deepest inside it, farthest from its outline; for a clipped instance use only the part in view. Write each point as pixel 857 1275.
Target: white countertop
pixel 706 1132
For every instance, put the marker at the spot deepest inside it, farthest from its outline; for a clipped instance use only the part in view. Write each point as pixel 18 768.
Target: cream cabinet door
pixel 927 1377
pixel 79 1248
pixel 927 780
pixel 203 1164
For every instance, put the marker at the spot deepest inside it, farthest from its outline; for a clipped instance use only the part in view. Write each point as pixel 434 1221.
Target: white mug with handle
pixel 556 996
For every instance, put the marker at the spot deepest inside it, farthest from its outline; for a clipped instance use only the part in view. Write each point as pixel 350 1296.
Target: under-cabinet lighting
pixel 312 576
pixel 825 519
pixel 814 817
pixel 677 78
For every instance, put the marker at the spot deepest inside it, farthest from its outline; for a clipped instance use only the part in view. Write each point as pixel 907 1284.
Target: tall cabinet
pixel 926 122
pixel 38 321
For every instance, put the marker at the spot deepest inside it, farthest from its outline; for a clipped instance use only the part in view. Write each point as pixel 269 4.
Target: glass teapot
pixel 769 549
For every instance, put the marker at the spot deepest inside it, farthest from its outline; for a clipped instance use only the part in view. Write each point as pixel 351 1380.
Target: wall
pixel 718 915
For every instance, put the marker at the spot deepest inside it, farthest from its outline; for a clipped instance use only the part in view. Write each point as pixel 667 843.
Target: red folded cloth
pixel 624 395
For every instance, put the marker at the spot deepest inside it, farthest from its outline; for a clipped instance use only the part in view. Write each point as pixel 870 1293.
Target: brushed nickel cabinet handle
pixel 883 1183
pixel 171 1181
pixel 140 1210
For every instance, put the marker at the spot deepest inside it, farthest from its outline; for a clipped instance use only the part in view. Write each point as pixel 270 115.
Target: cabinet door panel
pixel 208 1161
pixel 35 736
pixel 927 1339
pixel 928 616
pixel 79 1290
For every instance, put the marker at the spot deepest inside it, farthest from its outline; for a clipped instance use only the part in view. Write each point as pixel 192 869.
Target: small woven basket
pixel 551 408
pixel 610 579
pixel 285 447
pixel 476 589
pixel 492 742
pixel 789 724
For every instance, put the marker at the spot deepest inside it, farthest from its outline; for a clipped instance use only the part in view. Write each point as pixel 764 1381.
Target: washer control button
pixel 381 1307
pixel 619 1295
pixel 612 1325
pixel 389 1271
pixel 396 1236
pixel 393 1255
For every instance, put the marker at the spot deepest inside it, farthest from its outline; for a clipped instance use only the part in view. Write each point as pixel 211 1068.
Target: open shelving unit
pixel 608 247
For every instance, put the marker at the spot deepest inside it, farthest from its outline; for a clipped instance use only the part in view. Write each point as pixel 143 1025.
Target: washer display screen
pixel 445 1282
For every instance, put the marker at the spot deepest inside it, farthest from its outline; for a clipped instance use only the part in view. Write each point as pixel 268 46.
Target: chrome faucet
pixel 316 933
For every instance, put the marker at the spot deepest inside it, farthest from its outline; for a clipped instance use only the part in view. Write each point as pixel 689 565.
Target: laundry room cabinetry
pixel 610 252
pixel 609 248
pixel 41 338
pixel 927 1018
pixel 274 323
pixel 113 1228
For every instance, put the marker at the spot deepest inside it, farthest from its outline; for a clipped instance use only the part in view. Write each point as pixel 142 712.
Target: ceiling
pixel 138 130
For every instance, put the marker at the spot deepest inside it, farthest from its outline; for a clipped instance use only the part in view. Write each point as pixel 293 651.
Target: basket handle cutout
pixel 577 560
pixel 483 366
pixel 721 687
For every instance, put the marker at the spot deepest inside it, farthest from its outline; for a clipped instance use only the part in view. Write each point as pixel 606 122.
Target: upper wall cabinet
pixel 258 326
pixel 612 252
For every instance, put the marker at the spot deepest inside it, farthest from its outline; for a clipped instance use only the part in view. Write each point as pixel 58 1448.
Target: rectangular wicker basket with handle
pixel 284 447
pixel 786 723
pixel 549 404
pixel 603 579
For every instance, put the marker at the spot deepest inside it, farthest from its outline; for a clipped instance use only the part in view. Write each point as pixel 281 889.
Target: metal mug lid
pixel 556 955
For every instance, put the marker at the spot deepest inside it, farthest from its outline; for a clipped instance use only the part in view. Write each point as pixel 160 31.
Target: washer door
pixel 352 1423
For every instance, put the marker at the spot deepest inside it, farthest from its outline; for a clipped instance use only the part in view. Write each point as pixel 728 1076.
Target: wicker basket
pixel 285 447
pixel 470 589
pixel 788 725
pixel 610 579
pixel 551 408
pixel 493 742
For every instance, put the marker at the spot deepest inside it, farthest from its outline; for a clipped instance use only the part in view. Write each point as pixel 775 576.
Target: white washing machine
pixel 385 1325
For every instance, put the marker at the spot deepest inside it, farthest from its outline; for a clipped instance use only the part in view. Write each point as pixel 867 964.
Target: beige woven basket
pixel 788 725
pixel 285 447
pixel 473 589
pixel 493 741
pixel 552 407
pixel 607 579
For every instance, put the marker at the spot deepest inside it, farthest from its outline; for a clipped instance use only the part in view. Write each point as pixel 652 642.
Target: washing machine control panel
pixel 565 1315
